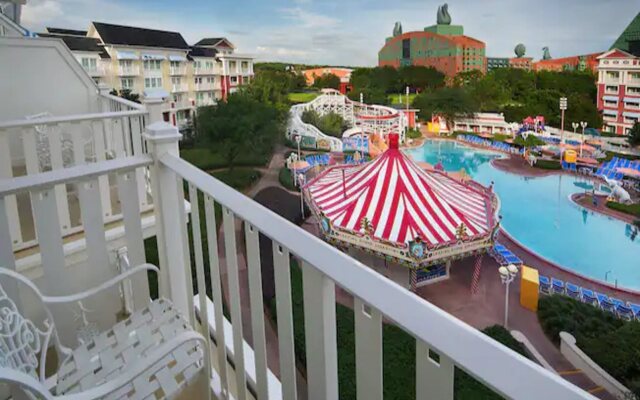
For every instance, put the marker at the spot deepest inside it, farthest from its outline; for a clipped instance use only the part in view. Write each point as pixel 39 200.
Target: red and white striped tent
pixel 393 207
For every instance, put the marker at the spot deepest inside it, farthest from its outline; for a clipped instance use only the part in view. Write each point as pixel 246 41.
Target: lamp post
pixel 575 126
pixel 507 275
pixel 563 108
pixel 583 124
pixel 298 140
pixel 300 184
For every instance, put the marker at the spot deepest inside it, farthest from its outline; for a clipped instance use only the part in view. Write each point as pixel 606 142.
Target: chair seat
pixel 107 356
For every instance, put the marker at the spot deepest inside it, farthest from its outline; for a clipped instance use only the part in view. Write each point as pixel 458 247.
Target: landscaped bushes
pixel 547 164
pixel 399 374
pixel 331 124
pixel 207 159
pixel 414 134
pixel 631 209
pixel 612 343
pixel 286 180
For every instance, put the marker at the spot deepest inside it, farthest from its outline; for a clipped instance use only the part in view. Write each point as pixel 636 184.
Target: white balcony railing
pixel 181 70
pixel 205 102
pixel 376 299
pixel 207 71
pixel 47 143
pixel 129 71
pixel 205 86
pixel 179 87
pixel 96 71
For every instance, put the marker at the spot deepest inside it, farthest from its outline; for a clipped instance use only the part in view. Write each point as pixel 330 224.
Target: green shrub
pixel 531 141
pixel 414 134
pixel 207 159
pixel 286 180
pixel 612 343
pixel 631 209
pixel 331 124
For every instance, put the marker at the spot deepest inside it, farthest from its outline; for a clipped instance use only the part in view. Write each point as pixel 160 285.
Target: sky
pixel 351 32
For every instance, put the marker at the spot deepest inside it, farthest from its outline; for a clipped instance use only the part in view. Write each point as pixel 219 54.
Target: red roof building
pixel 569 63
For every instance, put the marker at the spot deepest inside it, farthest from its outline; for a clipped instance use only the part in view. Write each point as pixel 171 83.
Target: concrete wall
pixel 45 78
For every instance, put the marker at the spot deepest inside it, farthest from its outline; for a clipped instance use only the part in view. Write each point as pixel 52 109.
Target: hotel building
pixel 146 60
pixel 619 90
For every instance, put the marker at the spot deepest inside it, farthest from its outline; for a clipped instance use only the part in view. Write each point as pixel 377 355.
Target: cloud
pixel 41 13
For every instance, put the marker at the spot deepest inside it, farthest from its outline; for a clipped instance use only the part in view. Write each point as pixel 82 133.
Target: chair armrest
pixel 97 289
pixel 27 382
pixel 137 368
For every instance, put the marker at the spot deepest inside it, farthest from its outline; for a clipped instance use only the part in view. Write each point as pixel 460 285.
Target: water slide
pixel 368 118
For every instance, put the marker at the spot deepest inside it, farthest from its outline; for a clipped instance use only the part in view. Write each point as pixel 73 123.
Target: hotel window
pixel 634 75
pixel 197 80
pixel 633 90
pixel 208 64
pixel 176 81
pixel 613 74
pixel 126 83
pixel 175 64
pixel 152 65
pixel 152 83
pixel 89 63
pixel 126 64
pixel 233 79
pixel 177 98
pixel 210 79
pixel 610 103
pixel 611 89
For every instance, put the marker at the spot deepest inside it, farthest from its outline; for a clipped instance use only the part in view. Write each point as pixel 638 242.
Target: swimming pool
pixel 539 214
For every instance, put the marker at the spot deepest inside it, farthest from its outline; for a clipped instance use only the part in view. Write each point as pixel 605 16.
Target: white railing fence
pixel 324 268
pixel 49 143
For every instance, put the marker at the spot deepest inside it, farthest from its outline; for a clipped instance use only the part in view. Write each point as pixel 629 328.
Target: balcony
pixel 205 102
pixel 207 71
pixel 97 71
pixel 180 104
pixel 181 70
pixel 222 364
pixel 205 86
pixel 133 70
pixel 179 87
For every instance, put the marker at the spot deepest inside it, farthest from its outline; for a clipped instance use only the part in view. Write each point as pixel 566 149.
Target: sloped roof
pixel 401 201
pixel 631 33
pixel 214 42
pixel 616 53
pixel 80 43
pixel 63 31
pixel 197 51
pixel 133 36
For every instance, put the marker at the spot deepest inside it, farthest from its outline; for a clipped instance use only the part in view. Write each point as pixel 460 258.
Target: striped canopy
pixel 396 201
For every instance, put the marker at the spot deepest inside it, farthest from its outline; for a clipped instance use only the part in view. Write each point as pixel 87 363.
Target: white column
pixel 154 106
pixel 162 139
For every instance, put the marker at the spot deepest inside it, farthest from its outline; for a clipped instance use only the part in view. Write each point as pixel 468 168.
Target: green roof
pixel 631 33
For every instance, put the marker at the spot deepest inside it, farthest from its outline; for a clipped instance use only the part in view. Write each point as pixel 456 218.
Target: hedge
pixel 611 342
pixel 399 374
pixel 547 164
pixel 286 180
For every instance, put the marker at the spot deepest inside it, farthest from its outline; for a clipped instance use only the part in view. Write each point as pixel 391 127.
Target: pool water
pixel 539 214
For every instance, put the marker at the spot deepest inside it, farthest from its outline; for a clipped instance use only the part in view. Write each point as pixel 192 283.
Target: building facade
pixel 619 90
pixel 144 60
pixel 629 39
pixel 344 74
pixel 497 62
pixel 586 62
pixel 441 46
pixel 525 63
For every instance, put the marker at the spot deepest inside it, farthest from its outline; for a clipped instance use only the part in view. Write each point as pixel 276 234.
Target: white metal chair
pixel 153 354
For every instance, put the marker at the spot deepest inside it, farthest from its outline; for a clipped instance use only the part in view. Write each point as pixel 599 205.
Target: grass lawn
pixel 401 98
pixel 399 374
pixel 206 159
pixel 631 209
pixel 286 180
pixel 302 97
pixel 548 164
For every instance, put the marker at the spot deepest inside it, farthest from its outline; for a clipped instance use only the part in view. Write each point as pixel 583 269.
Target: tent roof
pixel 401 201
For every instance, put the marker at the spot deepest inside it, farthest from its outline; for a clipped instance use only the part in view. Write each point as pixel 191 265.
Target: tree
pixel 271 86
pixel 448 103
pixel 634 135
pixel 331 123
pixel 126 94
pixel 420 78
pixel 327 81
pixel 371 95
pixel 241 124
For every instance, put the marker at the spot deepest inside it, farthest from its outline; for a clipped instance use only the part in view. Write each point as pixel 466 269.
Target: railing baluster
pixel 106 304
pixel 368 329
pixel 101 155
pixel 257 309
pixel 282 277
pixel 187 254
pixel 117 137
pixel 216 290
pixel 136 138
pixel 201 282
pixel 127 192
pixel 77 138
pixel 10 202
pixel 434 377
pixel 7 259
pixel 55 137
pixel 30 149
pixel 231 256
pixel 45 213
pixel 320 333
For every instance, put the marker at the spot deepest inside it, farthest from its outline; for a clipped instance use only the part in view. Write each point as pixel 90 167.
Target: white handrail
pixel 471 350
pixel 21 123
pixel 124 101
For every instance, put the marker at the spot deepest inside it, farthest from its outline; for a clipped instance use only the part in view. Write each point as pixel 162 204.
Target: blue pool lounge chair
pixel 604 302
pixel 573 291
pixel 588 296
pixel 622 309
pixel 558 286
pixel 635 308
pixel 545 284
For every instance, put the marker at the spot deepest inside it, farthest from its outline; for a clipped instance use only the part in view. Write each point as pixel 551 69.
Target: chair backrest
pixel 23 346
